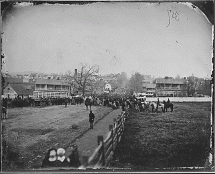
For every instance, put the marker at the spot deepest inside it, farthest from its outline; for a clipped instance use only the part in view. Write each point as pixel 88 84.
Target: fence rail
pixel 181 99
pixel 103 153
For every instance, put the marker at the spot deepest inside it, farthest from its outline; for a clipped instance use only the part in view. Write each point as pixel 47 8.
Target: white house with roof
pixel 108 87
pixel 13 90
pixel 170 87
pixel 51 88
pixel 149 89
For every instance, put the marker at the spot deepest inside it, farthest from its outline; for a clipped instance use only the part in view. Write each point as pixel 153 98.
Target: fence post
pixel 114 122
pixel 117 135
pixel 111 129
pixel 121 126
pixel 85 161
pixel 123 122
pixel 120 121
pixel 100 139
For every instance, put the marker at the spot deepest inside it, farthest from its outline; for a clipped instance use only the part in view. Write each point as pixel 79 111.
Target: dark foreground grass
pixel 161 140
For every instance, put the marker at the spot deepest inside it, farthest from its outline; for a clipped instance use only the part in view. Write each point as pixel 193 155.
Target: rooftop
pixel 12 80
pixel 149 85
pixel 51 82
pixel 23 89
pixel 170 81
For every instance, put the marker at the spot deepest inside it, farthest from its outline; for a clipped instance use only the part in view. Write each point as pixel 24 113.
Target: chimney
pixel 76 73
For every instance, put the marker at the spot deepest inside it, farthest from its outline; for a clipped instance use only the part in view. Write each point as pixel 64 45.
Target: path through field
pixel 89 141
pixel 32 131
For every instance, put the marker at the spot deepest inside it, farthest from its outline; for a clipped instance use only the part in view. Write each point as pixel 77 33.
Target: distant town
pixel 79 83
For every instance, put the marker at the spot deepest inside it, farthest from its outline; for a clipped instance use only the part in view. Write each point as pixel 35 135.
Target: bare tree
pixel 194 84
pixel 86 77
pixel 122 79
pixel 178 77
pixel 69 76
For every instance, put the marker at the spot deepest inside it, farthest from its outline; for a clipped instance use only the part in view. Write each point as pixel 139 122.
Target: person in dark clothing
pixel 62 161
pixel 123 106
pixel 158 103
pixel 50 159
pixel 66 102
pixel 107 103
pixel 74 157
pixel 168 101
pixel 91 119
pixel 114 105
pixel 140 105
pixel 73 101
pixel 117 104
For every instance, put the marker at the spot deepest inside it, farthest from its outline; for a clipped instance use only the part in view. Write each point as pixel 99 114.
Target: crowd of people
pixel 48 101
pixel 31 102
pixel 42 101
pixel 111 101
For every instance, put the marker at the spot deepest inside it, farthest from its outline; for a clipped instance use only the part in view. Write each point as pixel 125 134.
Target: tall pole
pixel 98 71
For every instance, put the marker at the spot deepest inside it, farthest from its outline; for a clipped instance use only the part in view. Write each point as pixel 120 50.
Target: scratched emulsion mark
pixel 174 16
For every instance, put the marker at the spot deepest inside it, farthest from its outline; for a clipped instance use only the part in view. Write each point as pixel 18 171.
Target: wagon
pixel 142 99
pixel 39 102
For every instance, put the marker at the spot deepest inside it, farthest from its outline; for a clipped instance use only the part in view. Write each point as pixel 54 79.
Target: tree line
pixel 88 79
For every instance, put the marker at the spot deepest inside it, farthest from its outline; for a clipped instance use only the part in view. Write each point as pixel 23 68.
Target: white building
pixel 51 88
pixel 108 87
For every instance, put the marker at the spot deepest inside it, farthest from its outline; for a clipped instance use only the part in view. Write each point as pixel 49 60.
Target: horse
pixel 114 105
pixel 88 102
pixel 134 102
pixel 141 106
pixel 146 105
pixel 167 105
pixel 128 104
pixel 154 106
pixel 4 113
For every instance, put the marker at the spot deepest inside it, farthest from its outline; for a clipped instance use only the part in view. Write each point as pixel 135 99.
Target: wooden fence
pixel 103 154
pixel 181 99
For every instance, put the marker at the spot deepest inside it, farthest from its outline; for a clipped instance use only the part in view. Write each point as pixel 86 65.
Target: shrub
pixel 74 126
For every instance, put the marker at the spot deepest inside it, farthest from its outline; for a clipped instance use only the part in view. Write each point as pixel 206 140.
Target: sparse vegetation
pixel 74 126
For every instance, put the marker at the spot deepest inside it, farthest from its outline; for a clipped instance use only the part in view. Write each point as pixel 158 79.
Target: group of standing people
pixel 158 102
pixel 57 158
pixel 114 103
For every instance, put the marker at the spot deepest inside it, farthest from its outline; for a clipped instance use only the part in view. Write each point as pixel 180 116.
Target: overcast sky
pixel 166 39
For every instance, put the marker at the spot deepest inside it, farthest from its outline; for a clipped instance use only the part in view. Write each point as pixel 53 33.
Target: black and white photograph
pixel 107 86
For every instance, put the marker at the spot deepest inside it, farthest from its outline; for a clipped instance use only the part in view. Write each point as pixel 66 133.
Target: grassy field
pixel 161 140
pixel 30 132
